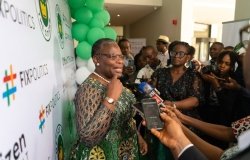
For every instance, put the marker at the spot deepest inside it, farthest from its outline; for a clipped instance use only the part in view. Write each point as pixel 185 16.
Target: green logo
pixel 43 15
pixel 44 11
pixel 59 143
pixel 60 26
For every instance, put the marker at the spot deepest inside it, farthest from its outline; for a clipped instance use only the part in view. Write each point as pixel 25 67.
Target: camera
pixel 210 69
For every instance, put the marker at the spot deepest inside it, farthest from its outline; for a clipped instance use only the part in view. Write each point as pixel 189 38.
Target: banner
pixel 37 70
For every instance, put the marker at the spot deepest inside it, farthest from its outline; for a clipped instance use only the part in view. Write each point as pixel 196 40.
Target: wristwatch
pixel 110 100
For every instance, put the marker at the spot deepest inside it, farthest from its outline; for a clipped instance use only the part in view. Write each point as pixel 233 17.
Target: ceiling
pixel 205 11
pixel 128 13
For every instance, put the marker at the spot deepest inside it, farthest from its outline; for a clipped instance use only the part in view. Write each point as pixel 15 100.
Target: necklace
pixel 101 77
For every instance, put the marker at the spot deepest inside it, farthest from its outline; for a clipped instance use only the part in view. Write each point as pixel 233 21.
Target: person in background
pixel 150 57
pixel 215 49
pixel 220 101
pixel 104 115
pixel 237 83
pixel 179 86
pixel 228 48
pixel 129 68
pixel 193 63
pixel 162 46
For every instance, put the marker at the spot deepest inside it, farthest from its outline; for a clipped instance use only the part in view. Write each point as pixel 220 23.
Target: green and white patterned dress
pixel 103 134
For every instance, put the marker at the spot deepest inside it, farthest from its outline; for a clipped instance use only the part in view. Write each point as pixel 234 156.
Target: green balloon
pixel 110 33
pixel 94 34
pixel 103 15
pixel 96 22
pixel 83 15
pixel 76 3
pixel 79 31
pixel 83 50
pixel 95 5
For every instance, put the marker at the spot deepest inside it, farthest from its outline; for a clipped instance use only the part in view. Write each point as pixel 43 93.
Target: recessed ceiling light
pixel 118 15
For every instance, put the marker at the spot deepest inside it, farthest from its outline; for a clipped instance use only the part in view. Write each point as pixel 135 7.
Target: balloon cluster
pixel 90 25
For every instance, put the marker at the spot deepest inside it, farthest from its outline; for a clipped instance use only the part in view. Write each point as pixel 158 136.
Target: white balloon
pixel 80 62
pixel 91 65
pixel 81 74
pixel 69 75
pixel 71 92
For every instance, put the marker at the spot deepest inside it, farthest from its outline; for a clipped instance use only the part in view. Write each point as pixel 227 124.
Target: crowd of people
pixel 206 103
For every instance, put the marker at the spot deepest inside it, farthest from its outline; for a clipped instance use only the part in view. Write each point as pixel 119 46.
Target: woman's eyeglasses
pixel 177 54
pixel 113 56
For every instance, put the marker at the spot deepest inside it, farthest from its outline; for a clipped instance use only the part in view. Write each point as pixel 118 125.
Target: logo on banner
pixel 11 89
pixel 17 151
pixel 16 15
pixel 43 14
pixel 59 143
pixel 45 112
pixel 60 26
pixel 42 119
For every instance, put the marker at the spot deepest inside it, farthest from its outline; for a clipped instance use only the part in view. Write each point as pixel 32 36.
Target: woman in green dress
pixel 104 115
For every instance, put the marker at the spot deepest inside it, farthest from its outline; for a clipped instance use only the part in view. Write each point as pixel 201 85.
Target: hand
pixel 231 84
pixel 169 103
pixel 211 78
pixel 178 114
pixel 143 145
pixel 114 89
pixel 172 135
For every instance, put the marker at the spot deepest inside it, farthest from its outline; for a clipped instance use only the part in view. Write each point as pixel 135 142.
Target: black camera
pixel 210 69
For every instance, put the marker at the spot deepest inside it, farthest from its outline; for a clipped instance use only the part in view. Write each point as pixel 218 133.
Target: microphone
pixel 145 88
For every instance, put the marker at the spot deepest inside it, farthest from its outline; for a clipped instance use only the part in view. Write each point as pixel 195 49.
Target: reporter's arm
pixel 217 131
pixel 210 151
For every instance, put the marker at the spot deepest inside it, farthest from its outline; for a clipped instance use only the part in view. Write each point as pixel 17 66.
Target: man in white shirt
pixel 162 46
pixel 150 56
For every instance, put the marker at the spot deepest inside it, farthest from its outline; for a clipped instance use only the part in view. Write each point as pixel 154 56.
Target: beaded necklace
pixel 101 77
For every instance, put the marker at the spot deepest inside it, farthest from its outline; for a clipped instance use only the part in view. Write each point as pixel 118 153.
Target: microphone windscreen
pixel 145 88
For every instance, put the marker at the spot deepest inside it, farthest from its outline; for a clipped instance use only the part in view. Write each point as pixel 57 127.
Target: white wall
pixel 242 9
pixel 136 2
pixel 159 22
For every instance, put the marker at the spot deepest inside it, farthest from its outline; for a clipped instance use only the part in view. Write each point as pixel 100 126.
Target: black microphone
pixel 145 88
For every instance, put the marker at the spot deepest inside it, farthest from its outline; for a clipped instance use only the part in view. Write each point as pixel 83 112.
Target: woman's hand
pixel 114 89
pixel 211 78
pixel 143 146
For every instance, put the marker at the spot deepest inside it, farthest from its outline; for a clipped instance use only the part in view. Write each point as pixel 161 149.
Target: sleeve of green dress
pixel 92 118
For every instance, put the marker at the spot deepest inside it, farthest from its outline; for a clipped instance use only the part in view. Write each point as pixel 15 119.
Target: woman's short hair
pixel 172 46
pixel 99 44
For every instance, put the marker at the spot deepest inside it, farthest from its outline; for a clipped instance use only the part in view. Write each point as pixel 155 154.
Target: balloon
pixel 71 92
pixel 96 22
pixel 91 65
pixel 103 15
pixel 110 33
pixel 81 74
pixel 80 62
pixel 95 5
pixel 72 12
pixel 79 31
pixel 94 34
pixel 83 15
pixel 76 3
pixel 83 50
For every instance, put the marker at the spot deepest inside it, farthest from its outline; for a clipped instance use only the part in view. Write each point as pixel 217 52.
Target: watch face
pixel 110 100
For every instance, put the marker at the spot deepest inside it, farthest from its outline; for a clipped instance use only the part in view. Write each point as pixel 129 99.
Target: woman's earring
pixel 97 64
pixel 187 64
